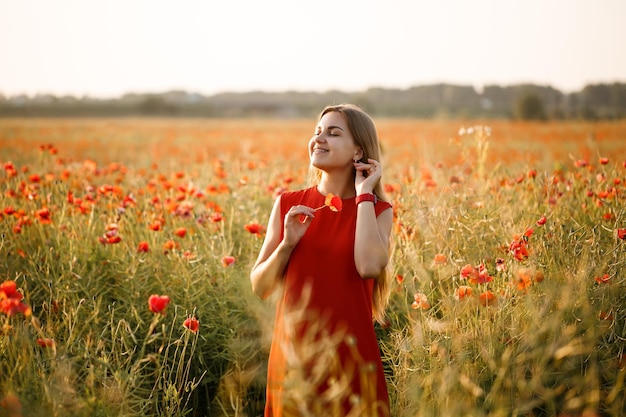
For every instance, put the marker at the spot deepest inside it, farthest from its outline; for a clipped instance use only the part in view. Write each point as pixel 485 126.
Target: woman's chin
pixel 316 164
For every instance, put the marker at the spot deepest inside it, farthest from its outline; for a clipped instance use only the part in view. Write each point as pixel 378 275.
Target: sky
pixel 110 48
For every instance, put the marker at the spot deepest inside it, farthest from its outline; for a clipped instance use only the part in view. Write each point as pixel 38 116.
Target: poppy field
pixel 126 247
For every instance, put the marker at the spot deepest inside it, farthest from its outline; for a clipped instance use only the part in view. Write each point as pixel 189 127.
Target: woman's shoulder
pixel 292 198
pixel 297 195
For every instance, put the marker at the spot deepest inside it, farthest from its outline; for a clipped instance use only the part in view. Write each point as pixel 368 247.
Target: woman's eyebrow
pixel 335 127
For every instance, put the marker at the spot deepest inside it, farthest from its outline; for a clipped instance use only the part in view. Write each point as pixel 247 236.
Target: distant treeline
pixel 524 101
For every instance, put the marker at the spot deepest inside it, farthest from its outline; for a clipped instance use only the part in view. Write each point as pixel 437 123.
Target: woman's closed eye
pixel 332 132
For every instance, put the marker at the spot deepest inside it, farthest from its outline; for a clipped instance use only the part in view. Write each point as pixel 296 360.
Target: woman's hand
pixel 367 176
pixel 297 221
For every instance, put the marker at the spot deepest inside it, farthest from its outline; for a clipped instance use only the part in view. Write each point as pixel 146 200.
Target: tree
pixel 530 107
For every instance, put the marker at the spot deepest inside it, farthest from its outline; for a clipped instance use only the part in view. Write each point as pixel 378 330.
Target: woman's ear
pixel 358 154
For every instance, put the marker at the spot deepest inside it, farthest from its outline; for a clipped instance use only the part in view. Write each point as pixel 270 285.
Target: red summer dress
pixel 324 359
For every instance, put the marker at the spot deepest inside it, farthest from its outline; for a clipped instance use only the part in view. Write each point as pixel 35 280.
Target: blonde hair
pixel 363 131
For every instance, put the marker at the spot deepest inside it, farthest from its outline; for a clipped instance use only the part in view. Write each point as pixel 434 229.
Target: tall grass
pixel 494 312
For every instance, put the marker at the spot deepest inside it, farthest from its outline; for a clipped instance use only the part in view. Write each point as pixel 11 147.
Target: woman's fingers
pixel 372 167
pixel 301 213
pixel 297 210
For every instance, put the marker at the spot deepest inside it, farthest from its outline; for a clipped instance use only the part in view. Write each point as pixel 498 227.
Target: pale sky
pixel 108 48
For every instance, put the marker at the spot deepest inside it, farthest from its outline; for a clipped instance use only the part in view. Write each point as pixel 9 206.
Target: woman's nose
pixel 319 137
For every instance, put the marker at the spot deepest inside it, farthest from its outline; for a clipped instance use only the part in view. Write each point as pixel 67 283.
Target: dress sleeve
pixel 381 206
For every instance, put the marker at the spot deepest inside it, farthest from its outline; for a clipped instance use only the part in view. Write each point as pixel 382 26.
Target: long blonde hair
pixel 365 136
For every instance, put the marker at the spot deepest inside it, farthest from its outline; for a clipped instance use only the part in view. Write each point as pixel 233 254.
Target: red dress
pixel 324 359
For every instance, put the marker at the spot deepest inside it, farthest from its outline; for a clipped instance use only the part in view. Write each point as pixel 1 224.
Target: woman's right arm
pixel 268 270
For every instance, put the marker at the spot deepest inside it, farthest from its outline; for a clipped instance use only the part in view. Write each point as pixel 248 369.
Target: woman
pixel 328 257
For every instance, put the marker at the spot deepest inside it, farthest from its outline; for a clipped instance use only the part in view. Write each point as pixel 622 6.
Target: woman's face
pixel 332 144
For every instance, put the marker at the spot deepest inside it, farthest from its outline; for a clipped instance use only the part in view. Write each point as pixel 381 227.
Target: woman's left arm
pixel 371 239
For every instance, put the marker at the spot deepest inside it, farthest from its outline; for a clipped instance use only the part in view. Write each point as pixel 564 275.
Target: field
pixel 126 246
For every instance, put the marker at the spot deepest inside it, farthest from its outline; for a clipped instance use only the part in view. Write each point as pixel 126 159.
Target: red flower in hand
pixel 333 202
pixel 158 303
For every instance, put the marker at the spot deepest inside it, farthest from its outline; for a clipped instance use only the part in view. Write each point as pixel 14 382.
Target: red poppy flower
pixel 483 275
pixel 158 303
pixel 111 236
pixel 621 233
pixel 399 279
pixel 463 292
pixel 606 315
pixel 604 279
pixel 10 170
pixel 440 259
pixel 12 306
pixel 192 324
pixel 333 202
pixel 11 300
pixel 111 240
pixel 487 298
pixel 391 188
pixel 106 189
pixel 44 216
pixel 143 247
pixel 524 279
pixel 478 275
pixel 519 248
pixel 604 161
pixel 608 216
pixel 8 289
pixel 180 232
pixel 228 261
pixel 156 225
pixel 254 228
pixel 46 342
pixel 170 245
pixel 581 163
pixel 420 301
pixel 468 272
pixel 542 221
pixel 216 217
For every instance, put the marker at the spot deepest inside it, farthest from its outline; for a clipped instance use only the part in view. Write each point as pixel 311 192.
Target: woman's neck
pixel 342 186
